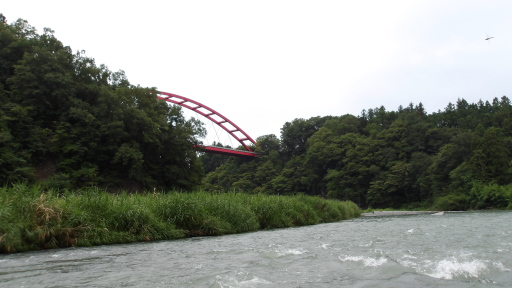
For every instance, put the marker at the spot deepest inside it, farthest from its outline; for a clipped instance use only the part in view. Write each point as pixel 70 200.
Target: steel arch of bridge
pixel 217 118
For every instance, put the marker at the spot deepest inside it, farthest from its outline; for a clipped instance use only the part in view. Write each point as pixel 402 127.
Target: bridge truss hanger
pixel 217 118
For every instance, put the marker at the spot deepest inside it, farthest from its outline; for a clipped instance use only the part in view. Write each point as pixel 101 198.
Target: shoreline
pixel 401 213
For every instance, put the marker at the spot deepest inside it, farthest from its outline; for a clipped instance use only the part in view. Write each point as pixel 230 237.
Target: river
pixel 466 249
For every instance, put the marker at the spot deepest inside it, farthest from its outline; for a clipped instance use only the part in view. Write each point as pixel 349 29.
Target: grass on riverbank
pixel 32 219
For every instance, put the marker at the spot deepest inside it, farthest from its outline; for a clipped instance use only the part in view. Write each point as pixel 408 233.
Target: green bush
pixel 491 196
pixel 452 202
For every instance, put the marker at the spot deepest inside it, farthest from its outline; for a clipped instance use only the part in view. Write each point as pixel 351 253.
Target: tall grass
pixel 32 218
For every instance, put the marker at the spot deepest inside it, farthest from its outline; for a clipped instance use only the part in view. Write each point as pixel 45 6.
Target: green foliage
pixel 67 122
pixel 451 202
pixel 29 219
pixel 490 196
pixel 490 158
pixel 210 162
pixel 32 218
pixel 386 159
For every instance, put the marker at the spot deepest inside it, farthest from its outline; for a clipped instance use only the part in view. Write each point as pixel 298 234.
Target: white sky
pixel 263 63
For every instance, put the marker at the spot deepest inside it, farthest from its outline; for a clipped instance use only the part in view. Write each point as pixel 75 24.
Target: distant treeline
pixel 459 158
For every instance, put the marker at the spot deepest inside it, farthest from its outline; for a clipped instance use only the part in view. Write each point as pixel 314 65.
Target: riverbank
pixel 402 213
pixel 397 213
pixel 33 219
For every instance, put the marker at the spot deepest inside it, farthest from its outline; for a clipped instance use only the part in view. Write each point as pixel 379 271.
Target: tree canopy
pixel 67 122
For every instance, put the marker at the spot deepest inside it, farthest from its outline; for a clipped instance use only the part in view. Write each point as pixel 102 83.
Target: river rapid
pixel 466 249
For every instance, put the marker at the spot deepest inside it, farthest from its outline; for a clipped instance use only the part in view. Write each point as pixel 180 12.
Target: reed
pixel 33 218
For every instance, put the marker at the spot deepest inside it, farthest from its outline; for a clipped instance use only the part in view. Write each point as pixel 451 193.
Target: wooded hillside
pixel 459 158
pixel 67 122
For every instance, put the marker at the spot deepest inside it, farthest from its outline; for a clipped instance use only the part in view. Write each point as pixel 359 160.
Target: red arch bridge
pixel 217 118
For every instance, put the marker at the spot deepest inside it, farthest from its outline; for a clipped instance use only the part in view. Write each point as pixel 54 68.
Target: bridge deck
pixel 225 151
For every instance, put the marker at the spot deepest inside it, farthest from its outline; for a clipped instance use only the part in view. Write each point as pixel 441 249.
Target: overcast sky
pixel 263 63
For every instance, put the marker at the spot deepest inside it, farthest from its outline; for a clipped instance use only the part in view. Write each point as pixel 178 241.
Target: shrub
pixel 452 202
pixel 489 196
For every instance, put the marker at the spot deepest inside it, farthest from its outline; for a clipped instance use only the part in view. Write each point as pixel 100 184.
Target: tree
pixel 68 122
pixel 267 143
pixel 210 162
pixel 295 134
pixel 449 157
pixel 490 161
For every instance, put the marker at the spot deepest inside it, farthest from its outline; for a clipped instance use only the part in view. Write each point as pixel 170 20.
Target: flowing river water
pixel 466 249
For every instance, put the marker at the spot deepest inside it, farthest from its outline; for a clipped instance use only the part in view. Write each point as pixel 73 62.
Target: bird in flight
pixel 488 38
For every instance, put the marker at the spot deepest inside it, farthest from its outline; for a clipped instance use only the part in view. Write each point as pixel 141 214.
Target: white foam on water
pixel 277 251
pixel 292 252
pixel 448 269
pixel 325 246
pixel 407 263
pixel 242 279
pixel 366 245
pixel 500 266
pixel 283 251
pixel 453 268
pixel 367 261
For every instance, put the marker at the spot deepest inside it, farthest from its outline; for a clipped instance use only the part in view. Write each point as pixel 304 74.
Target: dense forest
pixel 66 122
pixel 459 158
